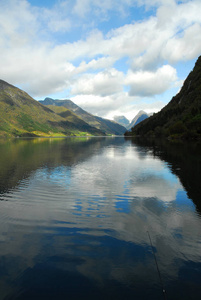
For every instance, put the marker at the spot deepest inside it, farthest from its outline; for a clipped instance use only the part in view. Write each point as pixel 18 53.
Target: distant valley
pixel 142 115
pixel 106 126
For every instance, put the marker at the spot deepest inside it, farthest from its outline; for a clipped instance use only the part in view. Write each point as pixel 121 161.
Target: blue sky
pixel 111 57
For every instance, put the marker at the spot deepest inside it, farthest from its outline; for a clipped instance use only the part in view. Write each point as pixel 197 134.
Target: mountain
pixel 21 115
pixel 181 117
pixel 106 126
pixel 74 122
pixel 142 115
pixel 122 120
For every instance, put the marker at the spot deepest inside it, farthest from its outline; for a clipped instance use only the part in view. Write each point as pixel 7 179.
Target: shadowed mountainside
pixel 181 117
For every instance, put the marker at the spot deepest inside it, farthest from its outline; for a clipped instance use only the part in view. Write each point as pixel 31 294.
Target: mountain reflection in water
pixel 75 213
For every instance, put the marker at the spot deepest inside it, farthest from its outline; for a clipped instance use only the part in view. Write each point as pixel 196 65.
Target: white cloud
pixel 186 47
pixel 118 104
pixel 175 35
pixel 101 8
pixel 56 19
pixel 95 64
pixel 95 104
pixel 81 8
pixel 38 51
pixel 56 24
pixel 146 83
pixel 17 23
pixel 103 83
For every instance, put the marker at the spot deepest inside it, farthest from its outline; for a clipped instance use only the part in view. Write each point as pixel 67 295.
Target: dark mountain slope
pixel 106 126
pixel 181 117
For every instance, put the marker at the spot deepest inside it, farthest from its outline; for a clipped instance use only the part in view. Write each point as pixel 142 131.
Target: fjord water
pixel 99 218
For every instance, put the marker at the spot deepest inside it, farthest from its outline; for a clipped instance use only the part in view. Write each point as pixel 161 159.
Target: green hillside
pixel 107 126
pixel 73 121
pixel 181 117
pixel 21 115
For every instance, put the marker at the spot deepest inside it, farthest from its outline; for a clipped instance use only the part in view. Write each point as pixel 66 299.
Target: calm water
pixel 93 218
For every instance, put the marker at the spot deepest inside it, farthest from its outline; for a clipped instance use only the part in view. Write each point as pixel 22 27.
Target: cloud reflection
pixel 94 216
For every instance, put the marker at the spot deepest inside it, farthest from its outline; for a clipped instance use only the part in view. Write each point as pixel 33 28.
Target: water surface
pixel 77 216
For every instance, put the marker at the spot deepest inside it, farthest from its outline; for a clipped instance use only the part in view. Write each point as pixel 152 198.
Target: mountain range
pixel 21 115
pixel 142 115
pixel 181 117
pixel 108 127
pixel 122 120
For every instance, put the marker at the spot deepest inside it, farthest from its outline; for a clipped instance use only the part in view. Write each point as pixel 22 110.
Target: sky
pixel 110 57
